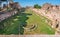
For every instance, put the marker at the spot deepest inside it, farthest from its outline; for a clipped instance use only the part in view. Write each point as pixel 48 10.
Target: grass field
pixel 43 27
pixel 15 24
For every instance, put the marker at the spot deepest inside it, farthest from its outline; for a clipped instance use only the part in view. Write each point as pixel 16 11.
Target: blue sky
pixel 40 2
pixel 25 3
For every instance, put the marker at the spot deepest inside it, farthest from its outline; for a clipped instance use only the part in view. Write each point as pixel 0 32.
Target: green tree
pixel 37 6
pixel 0 5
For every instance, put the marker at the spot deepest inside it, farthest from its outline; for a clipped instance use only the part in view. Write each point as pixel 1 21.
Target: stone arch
pixel 57 25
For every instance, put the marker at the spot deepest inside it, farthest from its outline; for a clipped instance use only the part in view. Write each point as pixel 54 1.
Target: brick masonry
pixel 51 12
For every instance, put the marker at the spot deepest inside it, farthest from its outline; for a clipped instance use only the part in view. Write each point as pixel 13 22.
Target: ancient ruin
pixel 9 10
pixel 51 12
pixel 15 19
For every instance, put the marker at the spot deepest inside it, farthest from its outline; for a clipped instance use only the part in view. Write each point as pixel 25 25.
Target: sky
pixel 25 3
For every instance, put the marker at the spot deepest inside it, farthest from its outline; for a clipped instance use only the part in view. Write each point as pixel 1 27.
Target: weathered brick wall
pixel 51 12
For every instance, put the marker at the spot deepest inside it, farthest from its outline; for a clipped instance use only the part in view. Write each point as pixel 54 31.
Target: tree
pixel 3 0
pixel 0 5
pixel 37 6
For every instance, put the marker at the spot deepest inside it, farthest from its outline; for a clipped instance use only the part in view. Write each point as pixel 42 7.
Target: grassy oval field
pixel 15 24
pixel 43 27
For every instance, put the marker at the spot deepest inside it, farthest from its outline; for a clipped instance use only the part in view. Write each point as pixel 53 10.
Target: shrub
pixel 37 6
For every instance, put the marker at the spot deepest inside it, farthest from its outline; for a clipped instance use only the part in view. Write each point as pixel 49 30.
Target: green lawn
pixel 43 27
pixel 15 24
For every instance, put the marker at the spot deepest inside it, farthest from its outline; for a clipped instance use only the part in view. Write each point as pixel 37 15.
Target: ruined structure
pixel 51 12
pixel 14 5
pixel 7 12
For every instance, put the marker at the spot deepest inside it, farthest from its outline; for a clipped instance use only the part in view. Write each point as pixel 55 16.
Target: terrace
pixel 6 15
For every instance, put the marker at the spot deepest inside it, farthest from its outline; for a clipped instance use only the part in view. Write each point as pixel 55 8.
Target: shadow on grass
pixel 18 27
pixel 23 23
